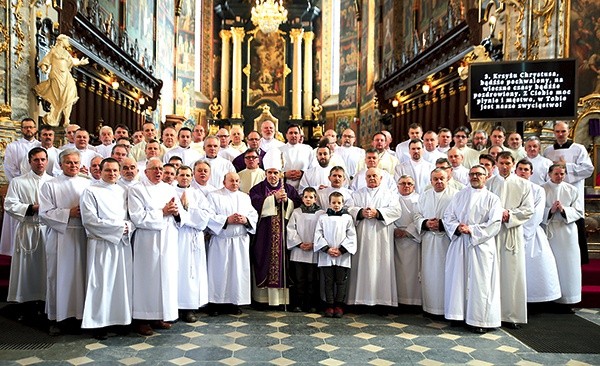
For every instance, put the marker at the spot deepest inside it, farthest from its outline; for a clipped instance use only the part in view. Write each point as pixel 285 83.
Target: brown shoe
pixel 159 324
pixel 144 329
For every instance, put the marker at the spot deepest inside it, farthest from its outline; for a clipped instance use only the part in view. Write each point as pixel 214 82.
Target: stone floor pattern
pixel 279 338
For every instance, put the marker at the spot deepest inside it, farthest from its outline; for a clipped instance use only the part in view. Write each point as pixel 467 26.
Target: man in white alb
pixel 27 285
pixel 154 209
pixel 66 250
pixel 219 166
pixel 429 222
pixel 229 279
pixel 472 220
pixel 517 203
pixel 108 298
pixel 578 166
pixel 373 273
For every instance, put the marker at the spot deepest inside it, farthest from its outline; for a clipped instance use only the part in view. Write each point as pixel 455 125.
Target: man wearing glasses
pixel 252 175
pixel 253 142
pixel 470 156
pixel 472 221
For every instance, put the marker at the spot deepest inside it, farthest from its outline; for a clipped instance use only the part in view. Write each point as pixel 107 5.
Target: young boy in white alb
pixel 304 272
pixel 335 241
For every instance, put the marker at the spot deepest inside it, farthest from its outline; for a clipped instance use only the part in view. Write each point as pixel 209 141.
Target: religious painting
pixel 140 28
pixel 267 69
pixel 348 19
pixel 164 64
pixel 185 60
pixel 388 38
pixel 342 124
pixel 368 74
pixel 584 44
pixel 347 96
pixel 348 61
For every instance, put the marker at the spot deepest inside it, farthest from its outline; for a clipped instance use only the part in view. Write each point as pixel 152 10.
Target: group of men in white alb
pixel 466 254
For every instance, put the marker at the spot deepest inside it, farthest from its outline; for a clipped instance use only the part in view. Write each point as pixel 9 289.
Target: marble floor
pixel 280 338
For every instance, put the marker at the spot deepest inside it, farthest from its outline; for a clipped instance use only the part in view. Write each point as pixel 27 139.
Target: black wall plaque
pixel 523 90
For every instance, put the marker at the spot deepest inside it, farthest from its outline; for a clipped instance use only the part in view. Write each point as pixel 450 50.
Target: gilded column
pixel 236 84
pixel 296 39
pixel 308 73
pixel 225 71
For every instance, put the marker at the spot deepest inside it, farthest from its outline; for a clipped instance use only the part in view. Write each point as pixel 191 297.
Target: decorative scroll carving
pixel 20 46
pixel 546 12
pixel 519 6
pixel 4 44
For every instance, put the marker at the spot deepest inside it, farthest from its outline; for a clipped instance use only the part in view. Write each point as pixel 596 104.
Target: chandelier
pixel 267 15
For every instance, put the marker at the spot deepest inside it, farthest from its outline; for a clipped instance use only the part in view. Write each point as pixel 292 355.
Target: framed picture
pixel 266 70
pixel 584 44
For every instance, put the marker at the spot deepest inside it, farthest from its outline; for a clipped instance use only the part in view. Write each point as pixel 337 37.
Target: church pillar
pixel 296 39
pixel 236 85
pixel 308 73
pixel 225 71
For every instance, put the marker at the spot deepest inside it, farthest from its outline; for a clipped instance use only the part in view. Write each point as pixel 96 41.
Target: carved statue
pixel 215 108
pixel 316 109
pixel 108 24
pixel 59 90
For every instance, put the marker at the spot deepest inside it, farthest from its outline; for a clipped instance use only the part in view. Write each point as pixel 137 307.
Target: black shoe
pixel 54 330
pixel 122 330
pixel 311 310
pixel 236 310
pixel 478 330
pixel 511 325
pixel 456 323
pixel 563 309
pixel 100 334
pixel 296 309
pixel 188 316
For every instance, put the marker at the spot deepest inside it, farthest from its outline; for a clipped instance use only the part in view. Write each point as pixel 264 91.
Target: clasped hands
pixel 369 213
pixel 237 219
pixel 334 252
pixel 464 229
pixel 557 206
pixel 171 208
pixel 433 224
pixel 306 246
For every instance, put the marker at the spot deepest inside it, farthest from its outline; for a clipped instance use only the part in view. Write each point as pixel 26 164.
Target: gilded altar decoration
pixel 546 13
pixel 215 108
pixel 519 6
pixel 4 43
pixel 18 31
pixel 59 90
pixel 316 110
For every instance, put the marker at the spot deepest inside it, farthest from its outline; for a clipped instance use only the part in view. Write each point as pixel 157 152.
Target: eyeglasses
pixel 222 136
pixel 255 139
pixel 460 136
pixel 250 157
pixel 409 184
pixel 348 136
pixel 477 175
